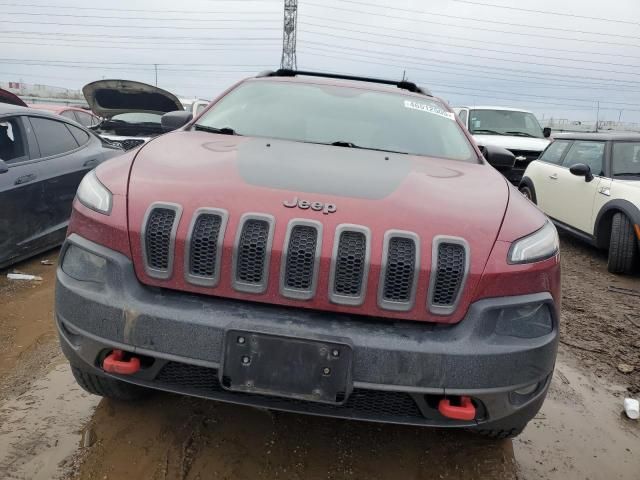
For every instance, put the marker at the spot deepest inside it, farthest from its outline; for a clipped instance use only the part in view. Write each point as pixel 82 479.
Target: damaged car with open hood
pixel 130 110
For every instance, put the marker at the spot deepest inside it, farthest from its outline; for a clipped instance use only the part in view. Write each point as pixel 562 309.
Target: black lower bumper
pixel 399 370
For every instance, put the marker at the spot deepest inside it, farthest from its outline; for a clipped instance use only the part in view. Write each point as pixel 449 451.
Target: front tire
pixel 528 193
pixel 108 387
pixel 623 250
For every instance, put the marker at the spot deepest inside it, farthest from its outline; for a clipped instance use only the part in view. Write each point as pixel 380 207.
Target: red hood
pixel 382 191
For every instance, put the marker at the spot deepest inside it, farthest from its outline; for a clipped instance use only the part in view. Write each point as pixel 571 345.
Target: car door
pixel 576 196
pixel 20 191
pixel 543 173
pixel 66 156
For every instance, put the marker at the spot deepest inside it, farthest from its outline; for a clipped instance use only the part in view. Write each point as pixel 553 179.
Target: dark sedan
pixel 43 157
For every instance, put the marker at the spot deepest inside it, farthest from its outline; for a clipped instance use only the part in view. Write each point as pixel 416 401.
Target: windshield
pixel 504 122
pixel 137 117
pixel 626 159
pixel 349 116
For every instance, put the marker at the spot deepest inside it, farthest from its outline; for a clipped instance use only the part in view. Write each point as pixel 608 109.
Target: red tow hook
pixel 466 410
pixel 115 363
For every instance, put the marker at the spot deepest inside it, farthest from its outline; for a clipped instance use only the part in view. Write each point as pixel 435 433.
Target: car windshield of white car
pixel 626 160
pixel 504 122
pixel 342 116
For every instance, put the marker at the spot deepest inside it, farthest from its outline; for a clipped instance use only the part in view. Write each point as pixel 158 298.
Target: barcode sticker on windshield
pixel 428 108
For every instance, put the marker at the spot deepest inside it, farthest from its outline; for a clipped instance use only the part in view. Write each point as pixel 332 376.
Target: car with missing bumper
pixel 315 243
pixel 589 185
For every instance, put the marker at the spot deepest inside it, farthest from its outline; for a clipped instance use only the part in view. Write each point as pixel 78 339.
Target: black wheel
pixel 527 192
pixel 108 387
pixel 501 434
pixel 623 249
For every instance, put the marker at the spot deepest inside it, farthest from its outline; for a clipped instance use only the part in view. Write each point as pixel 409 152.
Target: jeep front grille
pixel 451 263
pixel 206 253
pixel 252 253
pixel 204 246
pixel 301 258
pixel 399 272
pixel 350 265
pixel 159 228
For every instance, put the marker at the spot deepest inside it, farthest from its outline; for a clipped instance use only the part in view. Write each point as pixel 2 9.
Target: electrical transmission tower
pixel 289 35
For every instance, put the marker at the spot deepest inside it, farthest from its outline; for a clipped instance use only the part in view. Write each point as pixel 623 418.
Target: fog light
pixel 524 321
pixel 83 265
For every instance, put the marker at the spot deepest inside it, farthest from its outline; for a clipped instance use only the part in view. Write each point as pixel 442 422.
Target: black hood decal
pixel 329 170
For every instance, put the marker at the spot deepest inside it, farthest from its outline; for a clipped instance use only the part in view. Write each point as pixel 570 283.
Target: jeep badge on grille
pixel 325 208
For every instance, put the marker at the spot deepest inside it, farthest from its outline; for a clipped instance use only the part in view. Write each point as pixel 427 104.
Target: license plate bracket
pixel 283 366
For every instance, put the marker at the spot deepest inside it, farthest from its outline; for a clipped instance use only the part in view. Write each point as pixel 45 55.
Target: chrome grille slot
pixel 158 239
pixel 204 246
pixel 398 277
pixel 350 264
pixel 252 253
pixel 449 271
pixel 301 259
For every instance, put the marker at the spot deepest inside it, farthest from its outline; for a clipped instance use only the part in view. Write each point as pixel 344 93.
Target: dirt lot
pixel 49 428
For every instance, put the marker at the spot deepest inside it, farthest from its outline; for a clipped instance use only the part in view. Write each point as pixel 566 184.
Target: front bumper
pixel 399 371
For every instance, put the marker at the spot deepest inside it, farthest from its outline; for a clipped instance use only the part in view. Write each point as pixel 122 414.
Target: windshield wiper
pixel 482 130
pixel 524 134
pixel 342 143
pixel 221 131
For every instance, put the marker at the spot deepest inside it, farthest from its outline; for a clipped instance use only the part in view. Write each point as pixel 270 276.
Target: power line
pixel 139 37
pixel 450 70
pixel 70 15
pixel 470 88
pixel 377 34
pixel 172 27
pixel 142 10
pixel 431 22
pixel 471 55
pixel 119 46
pixel 547 12
pixel 472 19
pixel 467 39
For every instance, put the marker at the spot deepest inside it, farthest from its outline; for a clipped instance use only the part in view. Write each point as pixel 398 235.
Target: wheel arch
pixel 602 230
pixel 527 182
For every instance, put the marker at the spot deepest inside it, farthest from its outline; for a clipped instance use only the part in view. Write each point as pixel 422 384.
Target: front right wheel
pixel 623 248
pixel 526 191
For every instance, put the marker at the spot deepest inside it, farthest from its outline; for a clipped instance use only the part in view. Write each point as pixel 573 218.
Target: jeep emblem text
pixel 325 208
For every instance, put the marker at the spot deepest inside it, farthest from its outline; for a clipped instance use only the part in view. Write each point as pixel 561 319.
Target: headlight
pixel 540 245
pixel 94 195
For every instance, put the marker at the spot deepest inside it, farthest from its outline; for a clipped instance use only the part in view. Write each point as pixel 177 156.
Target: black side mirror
pixel 174 120
pixel 499 158
pixel 3 166
pixel 582 170
pixel 546 132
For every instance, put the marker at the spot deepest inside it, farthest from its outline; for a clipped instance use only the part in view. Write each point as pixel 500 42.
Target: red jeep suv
pixel 315 243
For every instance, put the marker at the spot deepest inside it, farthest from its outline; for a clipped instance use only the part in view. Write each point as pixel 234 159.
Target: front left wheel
pixel 623 245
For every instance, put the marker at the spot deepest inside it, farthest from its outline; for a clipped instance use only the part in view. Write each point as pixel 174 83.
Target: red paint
pixel 437 197
pixel 465 411
pixel 115 363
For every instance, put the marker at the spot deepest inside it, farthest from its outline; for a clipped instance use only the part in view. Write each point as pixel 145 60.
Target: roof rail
pixel 403 84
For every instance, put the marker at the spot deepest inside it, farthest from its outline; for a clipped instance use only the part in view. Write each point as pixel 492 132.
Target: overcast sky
pixel 467 52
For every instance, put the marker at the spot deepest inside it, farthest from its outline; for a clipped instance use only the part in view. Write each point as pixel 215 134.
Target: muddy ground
pixel 49 428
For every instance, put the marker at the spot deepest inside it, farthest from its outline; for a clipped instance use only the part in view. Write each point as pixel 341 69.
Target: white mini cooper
pixel 589 185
